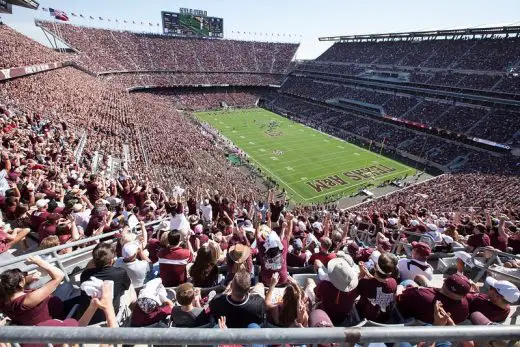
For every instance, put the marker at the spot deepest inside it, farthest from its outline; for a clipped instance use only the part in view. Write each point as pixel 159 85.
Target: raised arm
pixel 35 297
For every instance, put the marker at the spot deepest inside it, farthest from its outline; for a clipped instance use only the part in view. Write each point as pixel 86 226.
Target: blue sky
pixel 310 19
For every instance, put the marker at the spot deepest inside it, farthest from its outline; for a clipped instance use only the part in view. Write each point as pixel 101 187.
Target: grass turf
pixel 310 165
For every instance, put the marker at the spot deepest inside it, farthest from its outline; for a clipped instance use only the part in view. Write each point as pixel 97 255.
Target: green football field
pixel 310 165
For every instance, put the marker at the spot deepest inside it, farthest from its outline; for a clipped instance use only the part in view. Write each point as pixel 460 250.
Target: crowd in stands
pixel 211 99
pixel 186 79
pixel 472 120
pixel 109 50
pixel 480 64
pixel 224 254
pixel 19 51
pixel 111 118
pixel 479 54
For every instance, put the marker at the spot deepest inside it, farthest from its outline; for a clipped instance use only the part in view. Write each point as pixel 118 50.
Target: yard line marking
pixel 242 136
pixel 357 154
pixel 289 168
pixel 262 150
pixel 340 147
pixel 274 158
pixel 251 143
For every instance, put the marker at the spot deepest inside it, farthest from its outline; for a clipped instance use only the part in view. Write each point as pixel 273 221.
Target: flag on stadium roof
pixel 133 22
pixel 73 14
pixel 58 14
pixel 44 9
pixel 100 18
pixel 82 16
pixel 91 17
pixel 124 21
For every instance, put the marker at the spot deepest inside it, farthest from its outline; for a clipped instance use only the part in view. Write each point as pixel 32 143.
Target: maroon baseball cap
pixel 422 248
pixel 457 284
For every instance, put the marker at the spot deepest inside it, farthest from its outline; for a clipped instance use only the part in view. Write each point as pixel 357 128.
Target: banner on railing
pixel 6 74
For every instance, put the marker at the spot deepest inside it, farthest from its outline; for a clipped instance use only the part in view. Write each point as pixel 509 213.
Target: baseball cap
pixel 297 244
pixel 506 289
pixel 457 284
pixel 129 250
pixel 431 227
pixel 248 226
pixel 42 203
pixel 422 248
pixel 198 229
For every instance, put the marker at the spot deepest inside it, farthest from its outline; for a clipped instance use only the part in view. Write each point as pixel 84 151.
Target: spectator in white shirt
pixel 207 212
pixel 135 262
pixel 409 269
pixel 81 215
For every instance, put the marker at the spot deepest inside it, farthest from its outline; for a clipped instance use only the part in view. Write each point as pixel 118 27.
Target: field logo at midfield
pixel 277 152
pixel 355 175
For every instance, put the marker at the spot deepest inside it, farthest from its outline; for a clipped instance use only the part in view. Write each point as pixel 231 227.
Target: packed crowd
pixel 479 54
pixel 18 50
pixel 190 79
pixel 111 118
pixel 224 253
pixel 237 262
pixel 211 99
pixel 464 119
pixel 109 50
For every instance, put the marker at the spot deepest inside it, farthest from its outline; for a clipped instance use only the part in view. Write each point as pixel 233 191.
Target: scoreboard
pixel 192 23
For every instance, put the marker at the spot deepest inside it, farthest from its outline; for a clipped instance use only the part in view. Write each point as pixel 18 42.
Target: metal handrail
pixel 486 266
pixel 23 257
pixel 198 336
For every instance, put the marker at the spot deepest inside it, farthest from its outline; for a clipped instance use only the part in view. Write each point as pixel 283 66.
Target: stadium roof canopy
pixel 454 34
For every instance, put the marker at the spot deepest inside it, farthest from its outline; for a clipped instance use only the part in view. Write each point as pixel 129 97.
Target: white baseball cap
pixel 431 226
pixel 505 288
pixel 129 250
pixel 42 203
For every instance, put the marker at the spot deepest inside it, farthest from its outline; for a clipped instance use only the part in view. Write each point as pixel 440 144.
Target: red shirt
pixel 335 303
pixel 481 303
pixel 141 319
pixel 419 302
pixel 266 274
pixel 324 258
pixel 51 307
pixel 172 265
pixel 37 218
pixel 153 247
pixel 498 242
pixel 479 240
pixel 376 299
pixel 294 260
pixel 47 229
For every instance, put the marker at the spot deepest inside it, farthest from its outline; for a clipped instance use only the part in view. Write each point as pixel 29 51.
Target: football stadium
pixel 200 175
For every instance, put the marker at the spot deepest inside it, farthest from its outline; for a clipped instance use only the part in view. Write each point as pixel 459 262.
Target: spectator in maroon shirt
pixel 173 260
pixel 419 303
pixel 495 305
pixel 40 215
pixel 359 254
pixel 479 238
pixel 377 290
pixel 336 295
pixel 26 307
pixel 324 255
pixel 296 258
pixel 93 189
pixel 48 227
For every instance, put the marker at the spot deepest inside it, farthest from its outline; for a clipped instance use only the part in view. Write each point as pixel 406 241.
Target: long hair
pixel 10 283
pixel 291 299
pixel 203 265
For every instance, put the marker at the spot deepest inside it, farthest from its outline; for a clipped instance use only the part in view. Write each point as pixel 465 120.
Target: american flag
pixel 59 14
